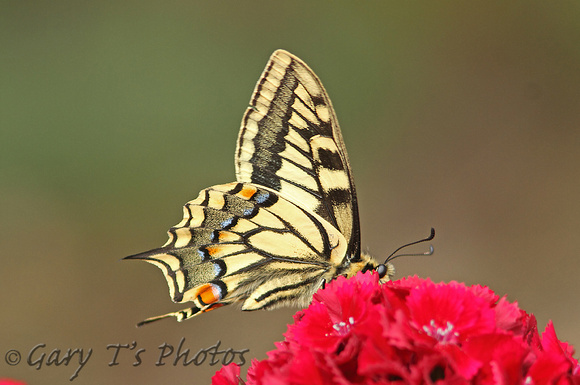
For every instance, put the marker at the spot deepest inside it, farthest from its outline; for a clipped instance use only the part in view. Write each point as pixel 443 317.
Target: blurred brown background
pixel 464 117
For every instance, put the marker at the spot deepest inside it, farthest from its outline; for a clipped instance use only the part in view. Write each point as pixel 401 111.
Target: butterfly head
pixel 386 271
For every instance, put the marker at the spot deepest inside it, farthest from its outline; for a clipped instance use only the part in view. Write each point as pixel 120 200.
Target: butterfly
pixel 289 223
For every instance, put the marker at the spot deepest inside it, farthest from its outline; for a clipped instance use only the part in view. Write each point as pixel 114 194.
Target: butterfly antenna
pixel 430 252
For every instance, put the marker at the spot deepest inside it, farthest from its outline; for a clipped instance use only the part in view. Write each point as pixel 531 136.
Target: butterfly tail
pixel 182 315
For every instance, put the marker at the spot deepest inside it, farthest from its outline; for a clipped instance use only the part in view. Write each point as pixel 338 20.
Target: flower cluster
pixel 357 331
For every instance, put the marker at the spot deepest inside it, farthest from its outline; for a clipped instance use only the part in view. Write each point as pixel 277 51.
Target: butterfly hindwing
pixel 290 141
pixel 245 243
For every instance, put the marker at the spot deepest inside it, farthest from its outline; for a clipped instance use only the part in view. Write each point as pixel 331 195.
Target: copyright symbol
pixel 12 357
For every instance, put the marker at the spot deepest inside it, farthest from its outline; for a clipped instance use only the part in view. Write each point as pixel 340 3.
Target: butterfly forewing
pixel 290 141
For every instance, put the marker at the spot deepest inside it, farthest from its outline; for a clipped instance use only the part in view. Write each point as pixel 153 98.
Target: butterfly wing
pixel 291 221
pixel 290 142
pixel 245 243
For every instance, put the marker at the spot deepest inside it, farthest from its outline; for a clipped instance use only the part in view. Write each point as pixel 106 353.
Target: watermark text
pixel 40 356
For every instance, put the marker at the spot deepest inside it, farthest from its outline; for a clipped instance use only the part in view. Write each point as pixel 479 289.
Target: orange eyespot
pixel 213 249
pixel 247 192
pixel 208 294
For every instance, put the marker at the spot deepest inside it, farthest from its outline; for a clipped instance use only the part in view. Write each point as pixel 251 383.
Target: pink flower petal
pixel 227 375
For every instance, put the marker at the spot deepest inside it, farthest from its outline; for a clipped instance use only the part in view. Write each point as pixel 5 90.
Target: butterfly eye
pixel 381 270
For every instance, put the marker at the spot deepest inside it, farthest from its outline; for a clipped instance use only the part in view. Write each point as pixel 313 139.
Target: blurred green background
pixel 461 116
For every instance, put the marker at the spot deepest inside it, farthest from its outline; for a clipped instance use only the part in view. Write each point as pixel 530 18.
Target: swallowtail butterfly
pixel 288 224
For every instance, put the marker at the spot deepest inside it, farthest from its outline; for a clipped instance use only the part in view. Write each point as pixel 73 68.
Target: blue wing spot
pixel 250 213
pixel 214 237
pixel 227 222
pixel 262 197
pixel 203 254
pixel 216 270
pixel 265 198
pixel 219 268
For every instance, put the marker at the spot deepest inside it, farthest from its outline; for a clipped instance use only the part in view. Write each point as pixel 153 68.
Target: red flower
pixel 554 363
pixel 450 313
pixel 8 381
pixel 411 331
pixel 337 315
pixel 227 375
